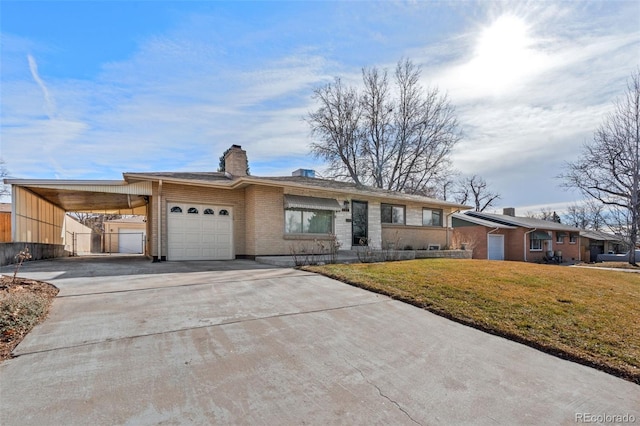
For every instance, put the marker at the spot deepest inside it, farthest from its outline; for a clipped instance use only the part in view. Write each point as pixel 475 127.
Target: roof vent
pixel 304 173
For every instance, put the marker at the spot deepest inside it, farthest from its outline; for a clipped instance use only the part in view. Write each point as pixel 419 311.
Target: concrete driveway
pixel 133 342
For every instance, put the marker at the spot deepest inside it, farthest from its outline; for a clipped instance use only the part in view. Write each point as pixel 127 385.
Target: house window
pixel 560 237
pixel 223 212
pixel 573 238
pixel 431 217
pixel 535 245
pixel 392 214
pixel 176 209
pixel 208 211
pixel 308 222
pixel 192 210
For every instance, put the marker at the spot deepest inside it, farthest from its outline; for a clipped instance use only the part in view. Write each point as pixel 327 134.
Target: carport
pixel 39 206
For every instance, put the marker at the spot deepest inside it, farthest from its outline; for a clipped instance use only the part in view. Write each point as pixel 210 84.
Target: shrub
pixel 19 313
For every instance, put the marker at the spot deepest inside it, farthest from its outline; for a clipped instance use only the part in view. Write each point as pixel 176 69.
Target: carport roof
pixel 90 196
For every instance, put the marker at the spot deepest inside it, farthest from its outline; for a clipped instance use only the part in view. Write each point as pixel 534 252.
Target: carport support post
pixel 160 220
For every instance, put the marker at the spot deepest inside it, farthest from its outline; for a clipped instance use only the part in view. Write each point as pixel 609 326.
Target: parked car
pixel 617 257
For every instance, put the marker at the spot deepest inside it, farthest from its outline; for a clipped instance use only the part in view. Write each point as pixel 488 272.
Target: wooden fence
pixel 5 227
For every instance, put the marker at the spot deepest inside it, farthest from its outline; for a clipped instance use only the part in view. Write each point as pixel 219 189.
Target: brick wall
pixel 474 238
pixel 265 221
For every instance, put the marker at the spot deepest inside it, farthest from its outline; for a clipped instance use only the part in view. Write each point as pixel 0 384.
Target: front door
pixel 359 223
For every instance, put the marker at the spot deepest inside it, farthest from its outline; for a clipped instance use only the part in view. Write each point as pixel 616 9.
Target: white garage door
pixel 130 241
pixel 199 232
pixel 496 247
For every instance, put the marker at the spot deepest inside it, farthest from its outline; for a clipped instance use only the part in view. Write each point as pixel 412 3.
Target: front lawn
pixel 587 315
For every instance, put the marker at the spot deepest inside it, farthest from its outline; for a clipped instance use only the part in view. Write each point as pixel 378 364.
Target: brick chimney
pixel 509 211
pixel 235 161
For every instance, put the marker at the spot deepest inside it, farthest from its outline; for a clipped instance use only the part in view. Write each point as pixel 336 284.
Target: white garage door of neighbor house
pixel 199 232
pixel 130 241
pixel 496 247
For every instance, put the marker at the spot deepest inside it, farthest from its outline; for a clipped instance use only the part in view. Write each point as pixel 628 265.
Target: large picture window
pixel 308 222
pixel 390 213
pixel 431 217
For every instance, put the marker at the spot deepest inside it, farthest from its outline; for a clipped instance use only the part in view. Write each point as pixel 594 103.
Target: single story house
pixel 510 237
pixel 227 215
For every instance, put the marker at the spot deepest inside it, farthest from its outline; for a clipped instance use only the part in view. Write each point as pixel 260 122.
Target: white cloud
pixel 530 85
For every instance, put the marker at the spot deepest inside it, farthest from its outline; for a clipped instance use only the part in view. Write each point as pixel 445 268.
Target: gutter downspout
pixel 580 247
pixel 159 220
pixel 525 242
pixel 447 225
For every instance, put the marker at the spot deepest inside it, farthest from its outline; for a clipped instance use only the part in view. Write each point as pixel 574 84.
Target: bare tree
pixel 399 142
pixel 475 190
pixel 4 189
pixel 336 124
pixel 545 213
pixel 587 215
pixel 94 221
pixel 608 169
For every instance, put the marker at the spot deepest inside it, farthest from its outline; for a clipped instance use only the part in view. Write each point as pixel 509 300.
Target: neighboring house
pixel 213 215
pixel 510 237
pixel 5 223
pixel 126 235
pixel 595 242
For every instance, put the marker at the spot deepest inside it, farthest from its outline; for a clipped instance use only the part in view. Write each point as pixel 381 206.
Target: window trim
pixel 573 238
pixel 432 210
pixel 404 214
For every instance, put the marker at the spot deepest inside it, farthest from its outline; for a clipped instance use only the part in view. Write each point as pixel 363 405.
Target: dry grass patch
pixel 23 304
pixel 585 315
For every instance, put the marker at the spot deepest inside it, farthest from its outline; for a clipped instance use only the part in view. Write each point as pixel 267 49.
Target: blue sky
pixel 93 89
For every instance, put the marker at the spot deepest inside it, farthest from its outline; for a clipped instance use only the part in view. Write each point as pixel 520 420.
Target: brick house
pixel 227 215
pixel 510 237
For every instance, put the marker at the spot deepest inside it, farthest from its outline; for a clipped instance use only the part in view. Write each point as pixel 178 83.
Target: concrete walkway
pixel 132 342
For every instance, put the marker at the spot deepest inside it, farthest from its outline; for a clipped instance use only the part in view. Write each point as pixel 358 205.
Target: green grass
pixel 587 315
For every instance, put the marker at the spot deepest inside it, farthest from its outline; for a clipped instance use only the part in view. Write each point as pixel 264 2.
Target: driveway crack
pixel 382 394
pixel 220 324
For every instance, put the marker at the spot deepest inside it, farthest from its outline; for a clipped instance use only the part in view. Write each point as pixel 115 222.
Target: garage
pixel 199 232
pixel 496 247
pixel 130 241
